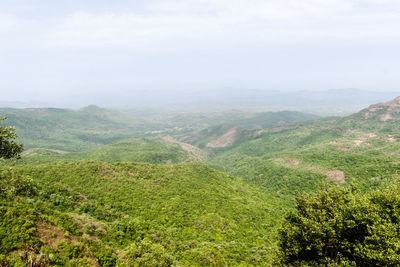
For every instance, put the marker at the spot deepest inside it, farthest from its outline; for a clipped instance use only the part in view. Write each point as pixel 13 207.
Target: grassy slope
pixel 198 215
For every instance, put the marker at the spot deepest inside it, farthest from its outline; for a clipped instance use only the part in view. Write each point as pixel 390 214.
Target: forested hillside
pixel 124 213
pixel 148 149
pixel 67 130
pixel 359 148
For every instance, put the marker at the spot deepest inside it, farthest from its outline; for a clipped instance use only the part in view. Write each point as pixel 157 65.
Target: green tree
pixel 340 226
pixel 8 147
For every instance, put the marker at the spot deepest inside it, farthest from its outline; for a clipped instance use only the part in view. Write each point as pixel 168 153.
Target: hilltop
pixel 386 110
pixel 382 117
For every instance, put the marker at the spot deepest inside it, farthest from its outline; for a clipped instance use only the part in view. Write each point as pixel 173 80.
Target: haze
pixel 117 51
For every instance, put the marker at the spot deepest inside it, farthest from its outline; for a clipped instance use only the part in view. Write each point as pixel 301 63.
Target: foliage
pixel 12 184
pixel 146 253
pixel 170 210
pixel 8 147
pixel 70 250
pixel 189 214
pixel 341 226
pixel 106 257
pixel 151 150
pixel 17 226
pixel 91 127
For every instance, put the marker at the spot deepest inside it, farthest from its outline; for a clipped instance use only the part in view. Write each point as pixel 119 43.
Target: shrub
pixel 342 226
pixel 146 253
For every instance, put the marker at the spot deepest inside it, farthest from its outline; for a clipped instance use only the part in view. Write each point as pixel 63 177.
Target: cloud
pixel 185 22
pixel 195 43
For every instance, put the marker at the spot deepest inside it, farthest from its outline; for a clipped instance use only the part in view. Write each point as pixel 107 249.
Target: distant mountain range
pixel 329 102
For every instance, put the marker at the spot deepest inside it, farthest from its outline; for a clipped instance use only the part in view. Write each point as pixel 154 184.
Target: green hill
pixel 266 120
pixel 69 130
pixel 382 118
pixel 234 129
pixel 123 213
pixel 91 127
pixel 359 148
pixel 149 149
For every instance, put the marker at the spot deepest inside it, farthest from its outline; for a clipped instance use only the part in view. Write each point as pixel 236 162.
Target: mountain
pixel 322 102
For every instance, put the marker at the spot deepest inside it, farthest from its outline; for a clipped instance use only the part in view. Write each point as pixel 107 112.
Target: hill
pixel 383 111
pixel 362 148
pixel 156 149
pixel 149 149
pixel 382 117
pixel 69 130
pixel 234 129
pixel 91 213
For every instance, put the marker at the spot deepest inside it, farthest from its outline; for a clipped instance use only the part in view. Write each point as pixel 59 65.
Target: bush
pixel 106 257
pixel 146 253
pixel 341 226
pixel 80 263
pixel 12 184
pixel 70 250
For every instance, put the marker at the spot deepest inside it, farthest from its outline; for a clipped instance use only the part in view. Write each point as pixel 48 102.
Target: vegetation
pixel 315 193
pixel 67 130
pixel 186 214
pixel 91 127
pixel 340 226
pixel 8 147
pixel 149 149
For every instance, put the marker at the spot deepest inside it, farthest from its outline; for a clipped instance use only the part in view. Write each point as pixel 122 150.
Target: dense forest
pixel 96 187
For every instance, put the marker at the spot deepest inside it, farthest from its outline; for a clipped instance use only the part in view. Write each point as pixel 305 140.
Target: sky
pixel 53 50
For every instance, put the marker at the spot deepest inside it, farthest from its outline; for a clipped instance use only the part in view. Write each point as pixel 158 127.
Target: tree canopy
pixel 341 226
pixel 8 147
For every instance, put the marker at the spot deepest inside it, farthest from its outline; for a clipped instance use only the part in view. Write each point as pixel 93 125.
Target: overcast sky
pixel 54 49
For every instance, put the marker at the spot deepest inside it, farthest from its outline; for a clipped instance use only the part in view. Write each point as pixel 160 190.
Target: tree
pixel 341 226
pixel 8 147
